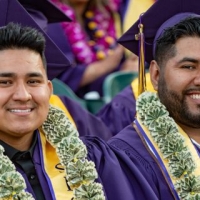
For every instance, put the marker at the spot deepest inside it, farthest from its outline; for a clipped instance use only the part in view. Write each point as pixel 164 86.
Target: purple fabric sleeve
pixel 115 183
pixel 133 155
pixel 120 112
pixel 72 77
pixel 86 123
pixel 124 173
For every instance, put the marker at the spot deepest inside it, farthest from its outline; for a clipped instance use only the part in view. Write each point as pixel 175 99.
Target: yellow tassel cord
pixel 142 79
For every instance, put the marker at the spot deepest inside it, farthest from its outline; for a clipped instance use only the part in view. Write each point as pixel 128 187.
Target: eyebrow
pixel 7 74
pixel 10 74
pixel 188 59
pixel 34 74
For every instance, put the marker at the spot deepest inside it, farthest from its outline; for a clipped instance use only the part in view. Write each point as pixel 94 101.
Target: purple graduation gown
pixel 110 174
pixel 125 168
pixel 138 177
pixel 120 112
pixel 86 123
pixel 130 150
pixel 114 181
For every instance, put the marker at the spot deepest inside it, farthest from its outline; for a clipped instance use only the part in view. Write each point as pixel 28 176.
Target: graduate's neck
pixel 193 133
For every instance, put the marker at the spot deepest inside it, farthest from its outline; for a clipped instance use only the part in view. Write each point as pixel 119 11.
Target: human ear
pixel 50 86
pixel 154 71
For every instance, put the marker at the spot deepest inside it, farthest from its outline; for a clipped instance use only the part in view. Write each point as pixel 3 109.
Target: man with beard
pixel 162 146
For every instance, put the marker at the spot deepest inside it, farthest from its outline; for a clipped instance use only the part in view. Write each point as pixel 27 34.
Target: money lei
pixel 164 131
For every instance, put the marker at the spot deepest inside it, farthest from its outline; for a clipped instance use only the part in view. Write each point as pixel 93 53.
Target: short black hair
pixel 165 45
pixel 16 36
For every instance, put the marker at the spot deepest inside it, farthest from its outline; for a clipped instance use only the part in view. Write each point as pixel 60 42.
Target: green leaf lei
pixel 72 153
pixel 12 184
pixel 164 132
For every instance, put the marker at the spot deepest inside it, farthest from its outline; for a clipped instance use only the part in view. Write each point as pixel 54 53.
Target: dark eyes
pixel 4 82
pixel 34 81
pixel 10 82
pixel 188 67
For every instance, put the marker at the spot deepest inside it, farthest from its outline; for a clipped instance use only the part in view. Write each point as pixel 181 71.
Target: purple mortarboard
pixel 161 15
pixel 52 13
pixel 44 12
pixel 12 11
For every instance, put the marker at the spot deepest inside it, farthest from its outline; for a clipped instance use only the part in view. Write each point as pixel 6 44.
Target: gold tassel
pixel 141 79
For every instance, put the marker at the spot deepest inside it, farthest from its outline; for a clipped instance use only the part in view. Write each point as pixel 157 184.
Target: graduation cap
pixel 153 18
pixel 142 35
pixel 49 9
pixel 13 11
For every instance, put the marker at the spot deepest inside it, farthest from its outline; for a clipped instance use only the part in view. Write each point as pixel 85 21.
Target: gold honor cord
pixel 142 78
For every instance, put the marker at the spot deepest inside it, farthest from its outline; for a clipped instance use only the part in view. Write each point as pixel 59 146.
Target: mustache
pixel 192 89
pixel 22 104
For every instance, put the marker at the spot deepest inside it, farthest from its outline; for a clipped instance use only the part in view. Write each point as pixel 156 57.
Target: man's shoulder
pixel 126 153
pixel 126 94
pixel 129 141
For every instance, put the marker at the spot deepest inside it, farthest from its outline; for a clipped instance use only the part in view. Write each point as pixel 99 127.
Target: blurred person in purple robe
pixel 90 41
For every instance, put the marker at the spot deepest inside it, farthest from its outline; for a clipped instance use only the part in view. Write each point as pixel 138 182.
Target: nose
pixel 21 93
pixel 196 77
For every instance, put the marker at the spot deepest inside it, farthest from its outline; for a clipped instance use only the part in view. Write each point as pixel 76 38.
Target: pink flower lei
pixel 103 34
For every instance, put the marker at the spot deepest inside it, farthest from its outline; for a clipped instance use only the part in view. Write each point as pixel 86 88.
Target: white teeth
pixel 195 96
pixel 21 111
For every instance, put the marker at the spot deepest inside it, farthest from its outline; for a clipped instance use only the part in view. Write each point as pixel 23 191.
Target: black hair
pixel 15 36
pixel 165 45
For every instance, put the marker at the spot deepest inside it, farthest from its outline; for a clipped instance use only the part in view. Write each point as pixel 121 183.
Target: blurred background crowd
pixel 87 35
pixel 100 67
